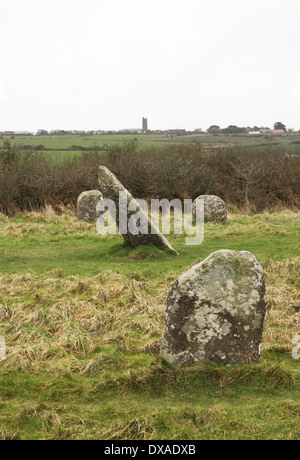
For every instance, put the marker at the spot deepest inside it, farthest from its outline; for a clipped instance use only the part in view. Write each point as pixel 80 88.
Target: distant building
pixel 265 131
pixel 23 133
pixel 128 131
pixel 277 132
pixel 177 132
pixel 145 125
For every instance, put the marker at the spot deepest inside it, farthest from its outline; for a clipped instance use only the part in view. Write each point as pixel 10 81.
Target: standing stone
pixel 215 209
pixel 216 310
pixel 2 348
pixel 87 204
pixel 111 188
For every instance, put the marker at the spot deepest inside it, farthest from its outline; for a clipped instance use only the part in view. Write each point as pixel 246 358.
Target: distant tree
pixel 279 125
pixel 232 129
pixel 214 129
pixel 42 132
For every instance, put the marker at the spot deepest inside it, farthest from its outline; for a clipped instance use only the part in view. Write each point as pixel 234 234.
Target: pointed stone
pixel 111 188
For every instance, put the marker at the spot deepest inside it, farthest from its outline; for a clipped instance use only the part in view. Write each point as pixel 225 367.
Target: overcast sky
pixel 104 64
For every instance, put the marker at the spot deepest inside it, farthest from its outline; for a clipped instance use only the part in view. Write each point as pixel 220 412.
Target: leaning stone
pixel 87 204
pixel 111 187
pixel 215 209
pixel 216 310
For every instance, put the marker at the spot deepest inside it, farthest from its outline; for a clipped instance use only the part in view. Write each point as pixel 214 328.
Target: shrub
pixel 253 177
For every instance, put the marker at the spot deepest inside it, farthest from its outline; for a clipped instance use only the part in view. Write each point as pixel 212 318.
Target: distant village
pixel 279 130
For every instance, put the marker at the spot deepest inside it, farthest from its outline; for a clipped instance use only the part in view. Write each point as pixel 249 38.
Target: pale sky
pixel 104 64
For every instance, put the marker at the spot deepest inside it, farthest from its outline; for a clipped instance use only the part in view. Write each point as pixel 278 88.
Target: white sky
pixel 104 64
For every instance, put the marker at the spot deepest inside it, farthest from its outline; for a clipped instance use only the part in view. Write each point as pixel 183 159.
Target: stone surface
pixel 2 348
pixel 215 209
pixel 111 187
pixel 87 204
pixel 216 310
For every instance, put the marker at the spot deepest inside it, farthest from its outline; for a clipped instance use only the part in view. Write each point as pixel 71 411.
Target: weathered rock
pixel 2 348
pixel 111 188
pixel 87 204
pixel 215 209
pixel 215 311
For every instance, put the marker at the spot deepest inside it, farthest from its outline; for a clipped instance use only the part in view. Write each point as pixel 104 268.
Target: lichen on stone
pixel 216 308
pixel 215 209
pixel 87 206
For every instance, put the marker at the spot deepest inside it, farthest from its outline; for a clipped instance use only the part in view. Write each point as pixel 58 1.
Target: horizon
pixel 204 130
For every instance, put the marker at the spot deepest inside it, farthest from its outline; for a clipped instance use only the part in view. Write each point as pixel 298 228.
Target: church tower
pixel 145 125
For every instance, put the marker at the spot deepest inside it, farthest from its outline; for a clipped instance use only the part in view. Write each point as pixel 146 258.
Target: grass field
pixel 68 146
pixel 83 317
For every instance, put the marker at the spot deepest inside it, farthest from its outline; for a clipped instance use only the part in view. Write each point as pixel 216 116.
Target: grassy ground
pixel 83 317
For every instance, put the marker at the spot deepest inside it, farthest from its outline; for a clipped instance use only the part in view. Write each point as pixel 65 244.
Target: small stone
pixel 215 209
pixel 2 348
pixel 216 310
pixel 87 204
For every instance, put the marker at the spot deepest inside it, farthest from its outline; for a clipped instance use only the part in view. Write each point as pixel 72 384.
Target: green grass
pixel 67 141
pixel 83 317
pixel 61 143
pixel 37 246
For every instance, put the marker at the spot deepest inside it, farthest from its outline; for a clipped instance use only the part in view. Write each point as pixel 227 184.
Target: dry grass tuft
pixel 283 316
pixel 51 323
pixel 7 436
pixel 49 327
pixel 137 429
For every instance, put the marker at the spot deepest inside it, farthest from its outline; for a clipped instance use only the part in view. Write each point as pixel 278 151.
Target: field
pixel 82 315
pixel 68 146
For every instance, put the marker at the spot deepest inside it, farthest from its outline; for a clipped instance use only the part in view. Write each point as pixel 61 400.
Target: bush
pixel 259 177
pixel 253 177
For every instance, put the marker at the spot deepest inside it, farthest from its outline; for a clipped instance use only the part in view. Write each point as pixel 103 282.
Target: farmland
pixel 68 146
